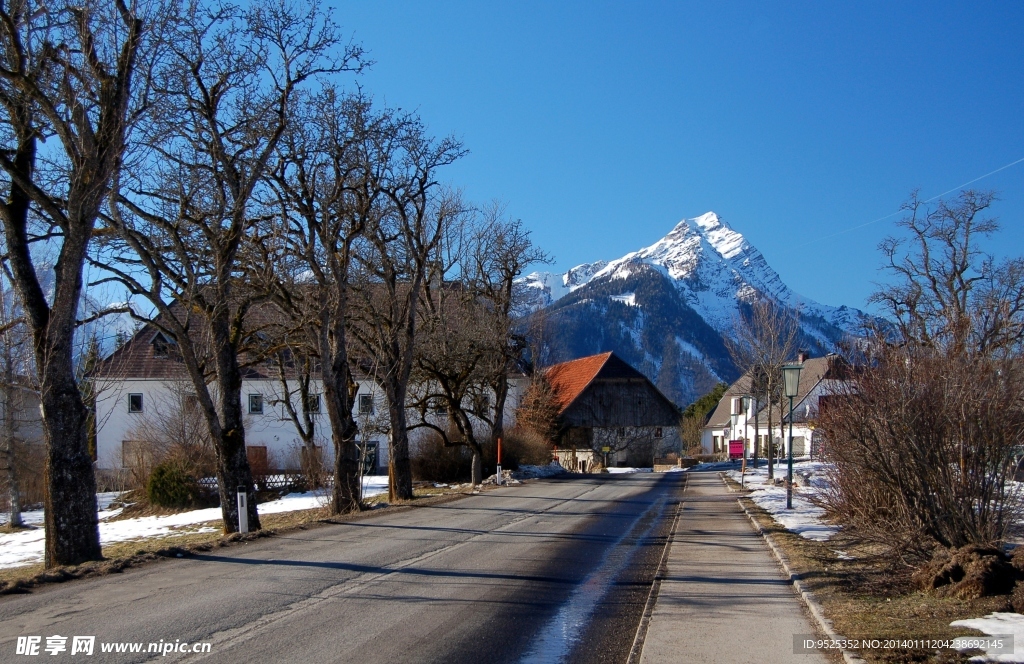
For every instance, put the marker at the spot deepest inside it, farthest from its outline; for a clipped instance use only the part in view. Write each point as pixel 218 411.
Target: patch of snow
pixel 628 299
pixel 622 471
pixel 806 518
pixel 995 624
pixel 25 547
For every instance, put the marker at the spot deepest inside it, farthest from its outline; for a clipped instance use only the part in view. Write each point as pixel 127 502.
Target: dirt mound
pixel 969 572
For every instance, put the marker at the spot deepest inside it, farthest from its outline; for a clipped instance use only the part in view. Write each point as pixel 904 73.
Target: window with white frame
pixel 366 404
pixel 256 404
pixel 135 403
pixel 312 404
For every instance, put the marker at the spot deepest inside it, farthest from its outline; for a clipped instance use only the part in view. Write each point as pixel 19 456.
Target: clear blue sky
pixel 603 124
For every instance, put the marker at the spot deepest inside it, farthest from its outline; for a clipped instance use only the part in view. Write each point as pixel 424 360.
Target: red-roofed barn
pixel 609 410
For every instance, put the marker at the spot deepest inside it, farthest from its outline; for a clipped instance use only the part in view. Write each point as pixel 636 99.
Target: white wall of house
pixel 119 418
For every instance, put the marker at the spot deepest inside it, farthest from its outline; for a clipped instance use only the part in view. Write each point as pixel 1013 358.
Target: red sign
pixel 735 449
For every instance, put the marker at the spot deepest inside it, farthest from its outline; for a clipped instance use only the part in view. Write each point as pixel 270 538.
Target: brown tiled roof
pixel 569 379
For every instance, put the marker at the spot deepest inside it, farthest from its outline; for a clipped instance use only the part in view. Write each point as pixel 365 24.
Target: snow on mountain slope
pixel 713 266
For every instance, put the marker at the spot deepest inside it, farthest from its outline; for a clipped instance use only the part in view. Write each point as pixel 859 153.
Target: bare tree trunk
pixel 500 388
pixel 10 391
pixel 347 493
pixel 232 463
pixel 399 466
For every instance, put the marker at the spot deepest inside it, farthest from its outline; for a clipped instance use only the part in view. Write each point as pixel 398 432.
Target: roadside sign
pixel 735 449
pixel 606 449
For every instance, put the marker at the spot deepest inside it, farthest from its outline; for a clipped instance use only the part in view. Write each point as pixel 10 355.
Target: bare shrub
pixel 921 446
pixel 524 446
pixel 171 431
pixel 538 410
pixel 433 461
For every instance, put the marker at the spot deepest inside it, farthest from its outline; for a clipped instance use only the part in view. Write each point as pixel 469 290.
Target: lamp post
pixel 735 418
pixel 791 387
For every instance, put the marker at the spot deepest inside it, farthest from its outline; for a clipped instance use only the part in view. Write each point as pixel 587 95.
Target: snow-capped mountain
pixel 688 288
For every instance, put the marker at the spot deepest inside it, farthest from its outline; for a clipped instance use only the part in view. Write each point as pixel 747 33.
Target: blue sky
pixel 603 124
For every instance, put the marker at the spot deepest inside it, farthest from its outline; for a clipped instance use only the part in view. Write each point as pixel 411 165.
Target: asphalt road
pixel 555 570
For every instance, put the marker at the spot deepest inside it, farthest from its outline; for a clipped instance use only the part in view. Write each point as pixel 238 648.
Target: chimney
pixel 802 356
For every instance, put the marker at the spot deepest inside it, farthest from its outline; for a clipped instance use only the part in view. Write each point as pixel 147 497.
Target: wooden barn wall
pixel 620 403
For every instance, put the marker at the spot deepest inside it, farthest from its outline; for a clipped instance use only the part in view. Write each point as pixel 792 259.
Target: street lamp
pixel 735 418
pixel 791 387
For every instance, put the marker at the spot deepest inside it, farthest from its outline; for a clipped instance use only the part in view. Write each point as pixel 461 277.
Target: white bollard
pixel 498 477
pixel 243 510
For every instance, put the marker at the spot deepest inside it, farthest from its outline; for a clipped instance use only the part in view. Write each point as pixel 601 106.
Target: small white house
pixel 819 377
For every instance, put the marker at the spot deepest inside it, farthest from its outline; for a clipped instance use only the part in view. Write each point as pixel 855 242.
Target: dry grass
pixel 870 597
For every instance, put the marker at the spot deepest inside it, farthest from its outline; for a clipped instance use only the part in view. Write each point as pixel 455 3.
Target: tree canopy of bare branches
pixel 765 340
pixel 327 183
pixel 395 258
pixel 923 442
pixel 189 228
pixel 948 292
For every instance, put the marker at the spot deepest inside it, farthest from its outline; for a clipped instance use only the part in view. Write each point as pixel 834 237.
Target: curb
pixel 817 611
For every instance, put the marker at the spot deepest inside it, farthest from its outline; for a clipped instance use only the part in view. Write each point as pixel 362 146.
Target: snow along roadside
pixel 25 547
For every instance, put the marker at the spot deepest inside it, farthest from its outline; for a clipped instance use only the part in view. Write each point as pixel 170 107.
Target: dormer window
pixel 161 346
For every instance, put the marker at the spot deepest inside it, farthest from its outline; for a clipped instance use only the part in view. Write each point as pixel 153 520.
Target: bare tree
pixel 502 250
pixel 467 344
pixel 454 354
pixel 538 410
pixel 765 340
pixel 922 441
pixel 329 182
pixel 394 259
pixel 188 223
pixel 67 71
pixel 16 385
pixel 948 293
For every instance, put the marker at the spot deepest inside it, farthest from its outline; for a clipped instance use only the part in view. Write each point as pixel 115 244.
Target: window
pixel 256 404
pixel 440 407
pixel 658 433
pixel 134 403
pixel 620 432
pixel 368 456
pixel 366 404
pixel 163 347
pixel 313 403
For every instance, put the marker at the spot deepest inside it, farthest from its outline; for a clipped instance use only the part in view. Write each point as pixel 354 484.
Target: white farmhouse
pixel 142 383
pixel 819 377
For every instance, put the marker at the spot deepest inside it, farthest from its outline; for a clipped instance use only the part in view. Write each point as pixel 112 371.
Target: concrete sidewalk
pixel 724 597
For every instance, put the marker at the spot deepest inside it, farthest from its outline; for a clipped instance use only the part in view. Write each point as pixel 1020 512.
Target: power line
pixel 893 214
